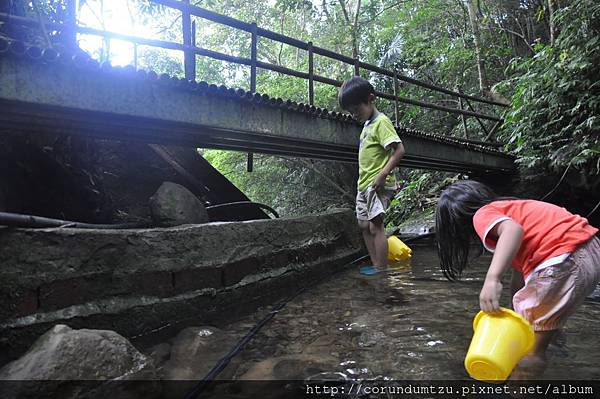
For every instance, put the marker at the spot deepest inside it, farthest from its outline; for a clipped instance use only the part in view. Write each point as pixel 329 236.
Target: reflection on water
pixel 409 323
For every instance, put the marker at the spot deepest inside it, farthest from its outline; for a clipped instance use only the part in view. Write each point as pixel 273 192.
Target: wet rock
pixel 84 363
pixel 173 204
pixel 295 347
pixel 320 345
pixel 293 367
pixel 361 323
pixel 371 338
pixel 194 352
pixel 269 333
pixel 260 370
pixel 417 224
pixel 160 354
pixel 595 296
pixel 294 334
pixel 398 330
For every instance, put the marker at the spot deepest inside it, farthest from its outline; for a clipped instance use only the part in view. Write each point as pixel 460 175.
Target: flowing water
pixel 407 324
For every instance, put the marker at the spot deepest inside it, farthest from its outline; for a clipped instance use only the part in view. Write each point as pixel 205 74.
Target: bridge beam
pixel 123 104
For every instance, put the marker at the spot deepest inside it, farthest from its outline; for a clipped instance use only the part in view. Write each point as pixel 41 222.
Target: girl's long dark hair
pixel 454 223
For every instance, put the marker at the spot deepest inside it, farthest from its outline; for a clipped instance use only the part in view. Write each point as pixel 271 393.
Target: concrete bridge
pixel 47 91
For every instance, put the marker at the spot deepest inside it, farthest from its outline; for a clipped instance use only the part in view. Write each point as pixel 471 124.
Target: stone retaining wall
pixel 138 282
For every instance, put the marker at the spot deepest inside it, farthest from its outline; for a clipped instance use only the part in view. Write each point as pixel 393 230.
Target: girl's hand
pixel 510 235
pixel 489 297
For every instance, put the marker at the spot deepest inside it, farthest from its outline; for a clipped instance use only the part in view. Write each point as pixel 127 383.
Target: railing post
pixel 70 23
pixel 462 117
pixel 396 90
pixel 253 57
pixel 135 55
pixel 250 162
pixel 485 130
pixel 490 135
pixel 356 67
pixel 189 57
pixel 311 75
pixel 194 34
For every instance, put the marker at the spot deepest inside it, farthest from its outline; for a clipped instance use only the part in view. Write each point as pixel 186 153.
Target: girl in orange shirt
pixel 554 255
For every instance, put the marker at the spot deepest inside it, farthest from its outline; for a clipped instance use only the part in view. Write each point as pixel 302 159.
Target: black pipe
pixel 221 364
pixel 238 203
pixel 20 220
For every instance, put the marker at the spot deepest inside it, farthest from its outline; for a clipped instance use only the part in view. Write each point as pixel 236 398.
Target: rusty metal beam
pixel 122 105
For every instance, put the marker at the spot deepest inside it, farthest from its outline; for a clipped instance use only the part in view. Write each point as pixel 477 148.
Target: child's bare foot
pixel 530 368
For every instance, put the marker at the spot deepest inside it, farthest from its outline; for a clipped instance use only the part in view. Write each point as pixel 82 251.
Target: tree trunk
pixel 483 85
pixel 355 31
pixel 551 21
pixel 353 23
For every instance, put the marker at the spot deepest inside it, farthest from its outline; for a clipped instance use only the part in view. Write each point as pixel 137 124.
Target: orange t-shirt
pixel 548 230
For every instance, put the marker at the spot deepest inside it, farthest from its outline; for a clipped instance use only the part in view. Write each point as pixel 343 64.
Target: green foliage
pixel 554 120
pixel 419 191
pixel 232 165
pixel 160 61
pixel 52 11
pixel 431 40
pixel 292 187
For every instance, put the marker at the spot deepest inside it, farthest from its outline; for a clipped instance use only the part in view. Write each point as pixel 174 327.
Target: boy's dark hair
pixel 454 223
pixel 355 91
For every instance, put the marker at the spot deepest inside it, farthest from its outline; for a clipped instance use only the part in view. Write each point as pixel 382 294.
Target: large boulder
pixel 173 204
pixel 291 367
pixel 84 363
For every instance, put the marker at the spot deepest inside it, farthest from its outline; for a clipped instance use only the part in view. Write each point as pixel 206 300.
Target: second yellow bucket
pixel 397 250
pixel 499 342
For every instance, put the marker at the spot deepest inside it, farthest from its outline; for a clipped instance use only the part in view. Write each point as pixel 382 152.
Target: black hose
pixel 238 203
pixel 202 384
pixel 20 220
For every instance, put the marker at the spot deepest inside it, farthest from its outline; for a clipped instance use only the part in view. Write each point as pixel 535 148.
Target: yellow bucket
pixel 397 250
pixel 499 342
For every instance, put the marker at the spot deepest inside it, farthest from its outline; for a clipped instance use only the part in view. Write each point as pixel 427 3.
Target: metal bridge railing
pixel 70 28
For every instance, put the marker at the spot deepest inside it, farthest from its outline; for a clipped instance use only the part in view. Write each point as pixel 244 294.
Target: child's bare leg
pixel 534 364
pixel 379 242
pixel 368 237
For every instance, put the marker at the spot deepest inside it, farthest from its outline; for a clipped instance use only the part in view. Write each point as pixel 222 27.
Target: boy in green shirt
pixel 379 153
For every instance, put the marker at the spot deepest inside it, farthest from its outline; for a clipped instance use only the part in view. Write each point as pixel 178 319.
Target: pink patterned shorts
pixel 553 294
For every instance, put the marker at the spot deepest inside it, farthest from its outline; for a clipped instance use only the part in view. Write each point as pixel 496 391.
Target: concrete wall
pixel 138 282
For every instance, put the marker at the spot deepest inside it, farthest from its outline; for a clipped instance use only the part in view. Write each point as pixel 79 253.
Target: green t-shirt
pixel 372 153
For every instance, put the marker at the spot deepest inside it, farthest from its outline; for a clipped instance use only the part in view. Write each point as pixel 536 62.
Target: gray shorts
pixel 370 204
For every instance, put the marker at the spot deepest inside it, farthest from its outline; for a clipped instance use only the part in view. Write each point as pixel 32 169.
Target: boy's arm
pixel 379 181
pixel 510 235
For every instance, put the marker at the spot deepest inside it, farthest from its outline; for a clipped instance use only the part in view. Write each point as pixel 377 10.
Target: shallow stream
pixel 406 324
